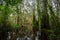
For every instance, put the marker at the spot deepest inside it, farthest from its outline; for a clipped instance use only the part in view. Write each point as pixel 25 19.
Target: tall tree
pixel 57 20
pixel 45 22
pixel 34 20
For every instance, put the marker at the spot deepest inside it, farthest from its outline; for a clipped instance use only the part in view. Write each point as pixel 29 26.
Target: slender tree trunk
pixel 45 22
pixel 39 17
pixel 58 12
pixel 34 20
pixel 57 20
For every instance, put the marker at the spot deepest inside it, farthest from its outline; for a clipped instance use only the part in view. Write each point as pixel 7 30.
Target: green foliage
pixel 2 7
pixel 48 19
pixel 52 36
pixel 13 2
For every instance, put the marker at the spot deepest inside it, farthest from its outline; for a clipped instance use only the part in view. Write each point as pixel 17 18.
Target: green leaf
pixel 2 7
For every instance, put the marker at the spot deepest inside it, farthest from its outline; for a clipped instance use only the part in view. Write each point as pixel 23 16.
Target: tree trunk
pixel 45 22
pixel 34 20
